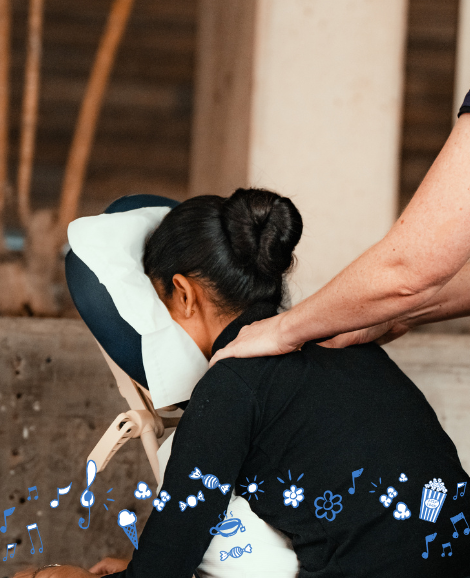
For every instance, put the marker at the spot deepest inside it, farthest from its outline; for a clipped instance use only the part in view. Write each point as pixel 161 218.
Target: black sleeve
pixel 214 436
pixel 465 104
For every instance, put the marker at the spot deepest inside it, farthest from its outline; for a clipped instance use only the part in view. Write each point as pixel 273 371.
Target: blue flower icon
pixel 328 506
pixel 293 496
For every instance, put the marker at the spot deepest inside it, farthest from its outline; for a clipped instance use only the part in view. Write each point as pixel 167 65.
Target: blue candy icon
pixel 209 480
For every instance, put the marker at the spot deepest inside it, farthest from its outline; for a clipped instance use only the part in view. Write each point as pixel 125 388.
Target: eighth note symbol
pixel 87 499
pixel 9 547
pixel 355 475
pixel 457 518
pixel 462 485
pixel 34 527
pixel 6 513
pixel 33 489
pixel 444 546
pixel 60 492
pixel 429 538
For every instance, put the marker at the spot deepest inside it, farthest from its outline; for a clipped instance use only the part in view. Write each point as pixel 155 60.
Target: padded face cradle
pixel 119 339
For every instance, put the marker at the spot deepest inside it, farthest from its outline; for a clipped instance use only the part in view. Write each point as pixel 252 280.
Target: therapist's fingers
pixel 357 337
pixel 257 340
pixel 395 332
pixel 27 573
pixel 381 334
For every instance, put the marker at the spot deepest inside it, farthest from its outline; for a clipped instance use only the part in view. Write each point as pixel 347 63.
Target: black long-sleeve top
pixel 319 415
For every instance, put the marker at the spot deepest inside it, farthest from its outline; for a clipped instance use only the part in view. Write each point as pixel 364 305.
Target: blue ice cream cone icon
pixel 128 520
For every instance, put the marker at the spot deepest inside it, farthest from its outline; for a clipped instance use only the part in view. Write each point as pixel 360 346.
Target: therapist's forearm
pixel 361 296
pixel 427 246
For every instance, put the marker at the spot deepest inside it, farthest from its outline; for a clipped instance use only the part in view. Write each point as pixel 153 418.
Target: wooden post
pixel 305 98
pixel 86 124
pixel 224 93
pixel 4 66
pixel 30 109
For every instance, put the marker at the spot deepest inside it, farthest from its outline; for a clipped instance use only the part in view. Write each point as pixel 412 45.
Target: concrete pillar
pixel 462 61
pixel 304 97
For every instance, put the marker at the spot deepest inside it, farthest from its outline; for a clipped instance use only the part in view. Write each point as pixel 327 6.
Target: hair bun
pixel 263 229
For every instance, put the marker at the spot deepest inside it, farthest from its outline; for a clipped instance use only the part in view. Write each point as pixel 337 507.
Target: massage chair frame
pixel 142 420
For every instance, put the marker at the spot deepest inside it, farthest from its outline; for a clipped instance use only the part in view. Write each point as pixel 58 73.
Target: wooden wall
pixel 143 138
pixel 142 142
pixel 429 87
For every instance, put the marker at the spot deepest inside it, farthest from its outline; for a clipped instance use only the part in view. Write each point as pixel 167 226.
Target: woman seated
pixel 336 448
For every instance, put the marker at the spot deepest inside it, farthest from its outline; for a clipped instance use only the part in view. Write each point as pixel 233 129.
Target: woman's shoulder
pixel 228 374
pixel 259 373
pixel 222 392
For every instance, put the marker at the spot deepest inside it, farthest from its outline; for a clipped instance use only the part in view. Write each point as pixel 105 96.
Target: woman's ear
pixel 185 296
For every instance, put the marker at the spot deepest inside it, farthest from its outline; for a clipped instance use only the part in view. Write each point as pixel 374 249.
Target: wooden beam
pixel 223 99
pixel 30 109
pixel 5 22
pixel 91 105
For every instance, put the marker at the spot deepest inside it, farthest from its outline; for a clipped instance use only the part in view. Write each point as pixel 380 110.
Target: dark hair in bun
pixel 239 246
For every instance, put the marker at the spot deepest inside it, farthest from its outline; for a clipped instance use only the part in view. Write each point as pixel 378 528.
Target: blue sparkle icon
pixel 109 499
pixel 252 488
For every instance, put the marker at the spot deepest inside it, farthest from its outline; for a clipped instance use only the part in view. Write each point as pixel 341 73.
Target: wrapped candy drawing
pixel 236 552
pixel 209 480
pixel 432 500
pixel 192 501
pixel 127 520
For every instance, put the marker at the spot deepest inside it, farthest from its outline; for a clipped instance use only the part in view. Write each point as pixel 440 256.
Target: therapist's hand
pixel 257 340
pixel 109 566
pixel 381 334
pixel 65 571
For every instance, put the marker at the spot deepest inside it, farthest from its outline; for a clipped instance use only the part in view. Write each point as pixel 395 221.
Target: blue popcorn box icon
pixel 431 504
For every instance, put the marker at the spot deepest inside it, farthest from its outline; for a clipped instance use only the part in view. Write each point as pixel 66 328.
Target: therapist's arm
pixel 451 302
pixel 427 246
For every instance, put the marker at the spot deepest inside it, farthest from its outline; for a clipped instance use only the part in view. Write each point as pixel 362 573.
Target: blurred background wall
pixel 144 129
pixel 345 116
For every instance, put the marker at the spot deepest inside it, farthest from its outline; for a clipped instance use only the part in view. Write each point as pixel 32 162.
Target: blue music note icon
pixel 33 489
pixel 429 538
pixel 87 499
pixel 60 492
pixel 444 546
pixel 34 527
pixel 456 519
pixel 9 547
pixel 6 513
pixel 355 475
pixel 461 485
